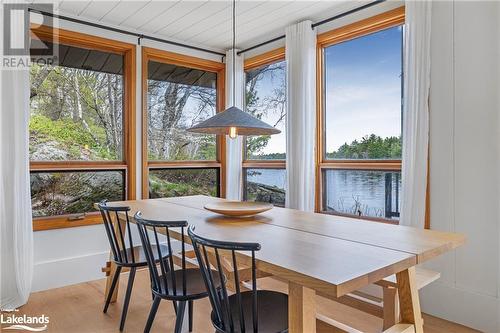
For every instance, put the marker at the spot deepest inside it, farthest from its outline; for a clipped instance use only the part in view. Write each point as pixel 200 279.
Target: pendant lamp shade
pixel 234 118
pixel 233 121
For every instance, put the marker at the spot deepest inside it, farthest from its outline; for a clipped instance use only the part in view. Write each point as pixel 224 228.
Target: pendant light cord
pixel 234 53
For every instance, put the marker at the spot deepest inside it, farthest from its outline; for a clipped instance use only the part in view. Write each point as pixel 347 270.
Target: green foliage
pixel 63 130
pixel 208 148
pixel 182 182
pixel 271 156
pixel 255 144
pixel 70 136
pixel 370 147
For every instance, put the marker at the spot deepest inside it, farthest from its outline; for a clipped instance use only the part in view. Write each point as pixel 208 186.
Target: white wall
pixel 68 256
pixel 465 161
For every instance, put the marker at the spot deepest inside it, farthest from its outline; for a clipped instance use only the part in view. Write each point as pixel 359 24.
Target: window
pixel 80 111
pixel 265 185
pixel 180 92
pixel 361 118
pixel 264 156
pixel 362 192
pixel 181 182
pixel 74 192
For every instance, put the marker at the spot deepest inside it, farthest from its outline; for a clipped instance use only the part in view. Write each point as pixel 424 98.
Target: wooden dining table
pixel 316 253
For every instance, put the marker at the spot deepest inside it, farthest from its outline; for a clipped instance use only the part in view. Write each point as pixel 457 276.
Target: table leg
pixel 109 279
pixel 391 307
pixel 112 267
pixel 408 299
pixel 301 309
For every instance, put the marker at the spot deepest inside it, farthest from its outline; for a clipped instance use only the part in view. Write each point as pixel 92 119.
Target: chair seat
pixel 195 285
pixel 272 309
pixel 140 255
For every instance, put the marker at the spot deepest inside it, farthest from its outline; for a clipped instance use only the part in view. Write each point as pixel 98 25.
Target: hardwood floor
pixel 78 309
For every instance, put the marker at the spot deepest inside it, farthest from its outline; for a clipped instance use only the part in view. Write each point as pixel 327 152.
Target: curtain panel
pixel 16 231
pixel 417 64
pixel 301 115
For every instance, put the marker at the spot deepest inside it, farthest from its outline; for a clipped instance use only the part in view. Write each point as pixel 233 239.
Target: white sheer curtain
pixel 301 115
pixel 417 66
pixel 234 147
pixel 16 232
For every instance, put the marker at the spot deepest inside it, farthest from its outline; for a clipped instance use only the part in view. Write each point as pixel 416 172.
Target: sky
pixel 363 90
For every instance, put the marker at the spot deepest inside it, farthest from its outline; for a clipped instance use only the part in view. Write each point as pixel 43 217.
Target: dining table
pixel 313 253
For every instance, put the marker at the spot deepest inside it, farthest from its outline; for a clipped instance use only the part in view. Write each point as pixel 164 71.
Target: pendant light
pixel 234 121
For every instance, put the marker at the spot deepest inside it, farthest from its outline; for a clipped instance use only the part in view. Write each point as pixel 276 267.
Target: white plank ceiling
pixel 204 23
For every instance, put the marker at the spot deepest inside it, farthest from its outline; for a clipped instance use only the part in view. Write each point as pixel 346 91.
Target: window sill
pixel 366 218
pixel 64 221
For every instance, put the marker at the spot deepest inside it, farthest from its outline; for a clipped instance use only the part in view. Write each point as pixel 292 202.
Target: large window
pixel 80 111
pixel 180 92
pixel 361 118
pixel 264 156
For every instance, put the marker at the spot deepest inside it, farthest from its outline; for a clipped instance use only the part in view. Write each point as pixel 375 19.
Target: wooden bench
pixel 387 306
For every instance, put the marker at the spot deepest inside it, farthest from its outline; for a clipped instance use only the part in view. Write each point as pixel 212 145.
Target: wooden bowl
pixel 238 208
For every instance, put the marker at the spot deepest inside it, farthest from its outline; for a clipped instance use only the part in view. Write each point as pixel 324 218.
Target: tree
pixel 173 107
pixel 370 147
pixel 81 112
pixel 274 102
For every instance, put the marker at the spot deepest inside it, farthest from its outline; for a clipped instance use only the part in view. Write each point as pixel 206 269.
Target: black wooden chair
pixel 183 285
pixel 125 254
pixel 262 311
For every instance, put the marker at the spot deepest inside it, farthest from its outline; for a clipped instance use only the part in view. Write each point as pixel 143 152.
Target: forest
pixel 370 147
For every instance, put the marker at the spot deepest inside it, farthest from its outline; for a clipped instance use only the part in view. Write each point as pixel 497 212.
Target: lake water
pixel 347 191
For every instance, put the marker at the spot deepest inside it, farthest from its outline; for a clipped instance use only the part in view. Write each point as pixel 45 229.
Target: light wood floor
pixel 78 309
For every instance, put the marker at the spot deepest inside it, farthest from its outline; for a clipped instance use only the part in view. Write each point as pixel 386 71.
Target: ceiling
pixel 204 23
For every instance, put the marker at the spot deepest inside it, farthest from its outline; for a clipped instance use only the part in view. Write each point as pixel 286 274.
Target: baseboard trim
pixel 67 271
pixel 471 309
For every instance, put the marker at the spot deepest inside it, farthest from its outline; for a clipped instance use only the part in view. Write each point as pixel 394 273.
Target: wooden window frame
pixel 361 28
pixel 251 63
pixel 128 164
pixel 152 54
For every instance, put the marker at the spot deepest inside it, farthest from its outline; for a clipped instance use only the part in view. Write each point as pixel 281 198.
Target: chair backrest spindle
pixel 115 226
pixel 183 263
pixel 166 282
pixel 130 240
